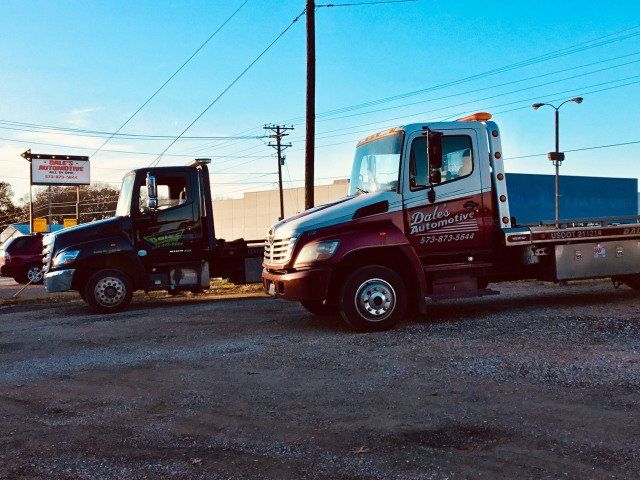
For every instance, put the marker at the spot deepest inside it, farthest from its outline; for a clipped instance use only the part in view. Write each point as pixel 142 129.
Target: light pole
pixel 557 157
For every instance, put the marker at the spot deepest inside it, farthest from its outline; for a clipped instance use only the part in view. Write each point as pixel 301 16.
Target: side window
pixel 173 191
pixel 457 160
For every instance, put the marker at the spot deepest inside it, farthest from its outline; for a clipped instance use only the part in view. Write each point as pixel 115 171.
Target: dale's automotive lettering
pixel 437 225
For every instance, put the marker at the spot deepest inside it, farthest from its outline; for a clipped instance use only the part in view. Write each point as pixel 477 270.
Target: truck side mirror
pixel 435 157
pixel 152 192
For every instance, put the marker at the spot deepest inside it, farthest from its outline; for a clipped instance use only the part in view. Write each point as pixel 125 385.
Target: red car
pixel 21 258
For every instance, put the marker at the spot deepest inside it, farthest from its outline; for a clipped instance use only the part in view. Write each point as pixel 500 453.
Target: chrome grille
pixel 278 251
pixel 47 250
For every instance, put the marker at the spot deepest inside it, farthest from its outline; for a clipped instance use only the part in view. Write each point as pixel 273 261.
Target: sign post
pixel 47 169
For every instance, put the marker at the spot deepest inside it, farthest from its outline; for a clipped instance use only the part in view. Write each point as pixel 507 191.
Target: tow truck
pixel 427 218
pixel 161 238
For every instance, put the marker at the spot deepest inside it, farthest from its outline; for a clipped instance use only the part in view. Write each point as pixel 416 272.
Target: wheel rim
pixel 34 274
pixel 375 300
pixel 110 291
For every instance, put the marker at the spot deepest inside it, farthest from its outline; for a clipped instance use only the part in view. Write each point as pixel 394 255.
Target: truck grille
pixel 278 251
pixel 47 249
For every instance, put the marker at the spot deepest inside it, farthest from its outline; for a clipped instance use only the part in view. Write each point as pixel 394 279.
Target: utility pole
pixel 309 147
pixel 279 131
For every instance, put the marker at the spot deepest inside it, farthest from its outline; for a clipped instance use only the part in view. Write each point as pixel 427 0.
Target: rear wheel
pixel 320 309
pixel 108 290
pixel 373 298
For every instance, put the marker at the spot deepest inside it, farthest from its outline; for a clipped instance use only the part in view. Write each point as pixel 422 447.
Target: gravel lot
pixel 541 382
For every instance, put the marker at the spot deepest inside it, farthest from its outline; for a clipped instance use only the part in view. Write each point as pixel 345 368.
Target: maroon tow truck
pixel 427 218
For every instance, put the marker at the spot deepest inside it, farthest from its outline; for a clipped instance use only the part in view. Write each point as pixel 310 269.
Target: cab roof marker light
pixel 476 117
pixel 375 136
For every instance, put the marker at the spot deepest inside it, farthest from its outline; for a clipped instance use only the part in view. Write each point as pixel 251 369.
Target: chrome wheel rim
pixel 109 291
pixel 375 300
pixel 34 274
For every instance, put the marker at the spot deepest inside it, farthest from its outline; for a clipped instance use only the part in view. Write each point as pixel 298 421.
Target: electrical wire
pixel 359 4
pixel 280 35
pixel 172 76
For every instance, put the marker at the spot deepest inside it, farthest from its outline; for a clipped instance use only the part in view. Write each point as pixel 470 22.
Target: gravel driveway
pixel 540 382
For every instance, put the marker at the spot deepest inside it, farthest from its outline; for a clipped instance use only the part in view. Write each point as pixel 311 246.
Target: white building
pixel 251 216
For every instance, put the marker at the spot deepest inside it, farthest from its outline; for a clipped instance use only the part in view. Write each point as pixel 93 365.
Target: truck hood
pixel 333 213
pixel 86 232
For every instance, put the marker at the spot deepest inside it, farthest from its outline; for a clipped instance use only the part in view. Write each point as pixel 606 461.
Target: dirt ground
pixel 541 382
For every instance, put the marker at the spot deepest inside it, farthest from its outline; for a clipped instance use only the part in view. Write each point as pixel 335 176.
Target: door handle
pixel 470 205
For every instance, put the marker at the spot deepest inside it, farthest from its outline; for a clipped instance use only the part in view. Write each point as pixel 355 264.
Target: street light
pixel 557 157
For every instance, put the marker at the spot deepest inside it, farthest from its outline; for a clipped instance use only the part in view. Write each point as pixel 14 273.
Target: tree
pixel 9 212
pixel 96 201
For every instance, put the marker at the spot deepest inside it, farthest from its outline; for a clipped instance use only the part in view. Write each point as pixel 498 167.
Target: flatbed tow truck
pixel 161 238
pixel 427 218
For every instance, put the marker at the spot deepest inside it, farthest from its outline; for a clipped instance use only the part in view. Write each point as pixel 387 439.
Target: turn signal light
pixel 476 117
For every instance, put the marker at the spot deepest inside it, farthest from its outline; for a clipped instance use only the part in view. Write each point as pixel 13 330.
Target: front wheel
pixel 31 274
pixel 373 298
pixel 320 309
pixel 108 290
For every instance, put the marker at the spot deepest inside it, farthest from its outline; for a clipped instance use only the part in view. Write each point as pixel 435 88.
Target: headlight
pixel 65 258
pixel 316 251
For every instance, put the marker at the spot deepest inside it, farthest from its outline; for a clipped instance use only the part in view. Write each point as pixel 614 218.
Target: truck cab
pixel 161 238
pixel 427 218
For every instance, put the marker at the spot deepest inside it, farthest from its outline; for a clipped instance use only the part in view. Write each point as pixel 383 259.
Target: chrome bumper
pixel 58 281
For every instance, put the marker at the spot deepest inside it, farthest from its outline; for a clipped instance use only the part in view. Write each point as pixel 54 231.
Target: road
pixel 541 382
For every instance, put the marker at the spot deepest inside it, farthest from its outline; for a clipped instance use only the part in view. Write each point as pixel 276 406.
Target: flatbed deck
pixel 570 231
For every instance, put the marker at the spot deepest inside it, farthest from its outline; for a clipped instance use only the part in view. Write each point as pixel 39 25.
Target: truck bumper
pixel 305 285
pixel 58 281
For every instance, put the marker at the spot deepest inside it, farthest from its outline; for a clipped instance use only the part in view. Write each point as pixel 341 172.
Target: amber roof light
pixel 476 117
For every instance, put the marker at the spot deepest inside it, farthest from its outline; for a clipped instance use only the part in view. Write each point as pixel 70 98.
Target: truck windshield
pixel 123 209
pixel 376 165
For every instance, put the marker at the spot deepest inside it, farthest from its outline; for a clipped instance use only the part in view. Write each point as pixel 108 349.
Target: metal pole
pixel 309 148
pixel 78 204
pixel 49 204
pixel 557 165
pixel 30 198
pixel 279 147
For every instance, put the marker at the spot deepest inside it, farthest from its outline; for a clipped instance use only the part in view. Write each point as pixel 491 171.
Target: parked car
pixel 21 258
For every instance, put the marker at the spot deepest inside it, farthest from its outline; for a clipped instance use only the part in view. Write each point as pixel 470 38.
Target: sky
pixel 90 65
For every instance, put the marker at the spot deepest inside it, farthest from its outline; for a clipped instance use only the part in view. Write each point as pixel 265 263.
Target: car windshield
pixel 376 165
pixel 123 209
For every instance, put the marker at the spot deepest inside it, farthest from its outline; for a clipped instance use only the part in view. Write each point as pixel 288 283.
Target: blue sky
pixel 91 64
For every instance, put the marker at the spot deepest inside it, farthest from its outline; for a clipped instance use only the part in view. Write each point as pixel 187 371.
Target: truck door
pixel 170 232
pixel 453 227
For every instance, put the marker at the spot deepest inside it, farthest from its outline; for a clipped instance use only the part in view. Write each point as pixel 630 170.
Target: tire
pixel 28 273
pixel 631 281
pixel 320 309
pixel 108 291
pixel 373 299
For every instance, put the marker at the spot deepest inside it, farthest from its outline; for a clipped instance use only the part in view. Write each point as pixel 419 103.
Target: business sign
pixel 39 225
pixel 69 222
pixel 59 171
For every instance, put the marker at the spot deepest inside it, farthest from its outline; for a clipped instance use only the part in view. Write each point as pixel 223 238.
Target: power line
pixel 404 117
pixel 130 152
pixel 358 4
pixel 78 132
pixel 541 58
pixel 155 162
pixel 565 51
pixel 534 77
pixel 172 75
pixel 583 149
